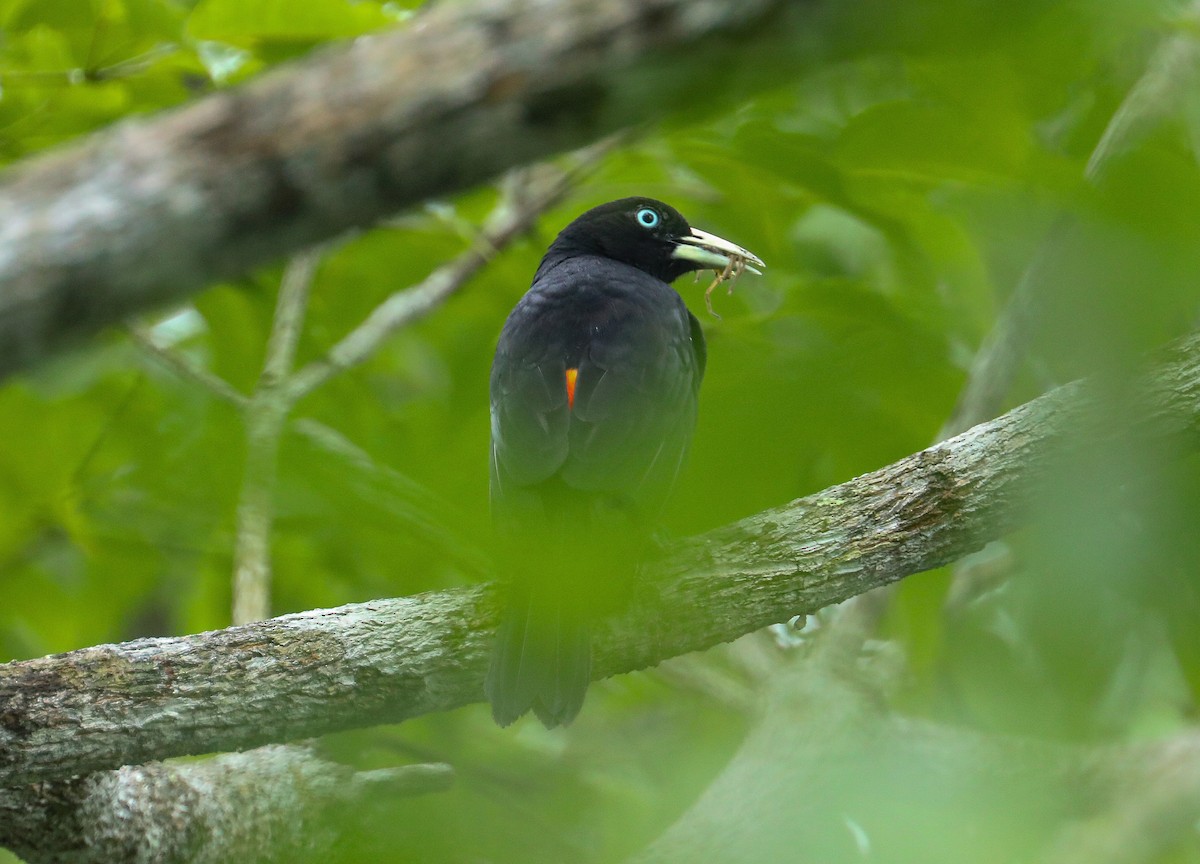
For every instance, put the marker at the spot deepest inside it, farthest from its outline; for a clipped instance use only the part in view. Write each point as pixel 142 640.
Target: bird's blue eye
pixel 648 218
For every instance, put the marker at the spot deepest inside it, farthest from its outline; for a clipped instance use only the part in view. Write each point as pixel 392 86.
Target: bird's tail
pixel 542 660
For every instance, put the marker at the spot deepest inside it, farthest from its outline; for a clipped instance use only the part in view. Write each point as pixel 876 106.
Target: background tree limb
pixel 272 804
pixel 151 210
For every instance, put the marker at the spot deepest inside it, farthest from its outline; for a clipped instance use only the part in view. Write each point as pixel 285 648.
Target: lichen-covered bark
pixel 152 210
pixel 316 672
pixel 274 804
pixel 278 680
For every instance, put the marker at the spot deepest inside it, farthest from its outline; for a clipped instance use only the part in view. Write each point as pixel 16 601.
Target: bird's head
pixel 651 236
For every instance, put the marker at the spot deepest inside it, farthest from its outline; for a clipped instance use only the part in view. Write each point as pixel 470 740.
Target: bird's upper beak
pixel 714 253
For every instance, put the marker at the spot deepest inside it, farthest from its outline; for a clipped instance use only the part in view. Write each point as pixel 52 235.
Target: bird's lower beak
pixel 714 253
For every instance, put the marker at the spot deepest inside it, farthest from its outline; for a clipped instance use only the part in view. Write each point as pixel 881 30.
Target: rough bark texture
pixel 279 803
pixel 152 210
pixel 316 672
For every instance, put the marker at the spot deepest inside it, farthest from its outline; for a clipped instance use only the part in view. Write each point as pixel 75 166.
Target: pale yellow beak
pixel 714 253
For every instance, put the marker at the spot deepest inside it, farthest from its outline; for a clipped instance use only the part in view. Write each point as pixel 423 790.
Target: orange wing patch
pixel 572 374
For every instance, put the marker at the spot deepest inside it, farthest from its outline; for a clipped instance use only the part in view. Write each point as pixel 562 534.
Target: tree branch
pixel 151 210
pixel 316 672
pixel 406 500
pixel 527 196
pixel 265 416
pixel 1159 96
pixel 273 804
pixel 175 362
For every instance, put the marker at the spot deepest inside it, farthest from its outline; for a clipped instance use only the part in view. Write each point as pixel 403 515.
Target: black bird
pixel 593 401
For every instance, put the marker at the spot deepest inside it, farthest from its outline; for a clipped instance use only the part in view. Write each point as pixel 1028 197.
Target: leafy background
pixel 898 191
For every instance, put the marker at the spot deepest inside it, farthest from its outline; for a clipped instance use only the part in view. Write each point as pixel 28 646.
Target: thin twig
pixel 404 500
pixel 410 503
pixel 1162 93
pixel 403 781
pixel 527 194
pixel 175 362
pixel 531 192
pixel 1000 357
pixel 265 417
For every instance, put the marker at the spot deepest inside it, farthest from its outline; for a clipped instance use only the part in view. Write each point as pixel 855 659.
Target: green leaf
pixel 249 25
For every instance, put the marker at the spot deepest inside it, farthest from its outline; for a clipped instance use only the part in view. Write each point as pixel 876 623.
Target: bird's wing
pixel 620 422
pixel 529 417
pixel 635 410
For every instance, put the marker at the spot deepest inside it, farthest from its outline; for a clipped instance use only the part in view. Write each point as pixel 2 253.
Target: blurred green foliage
pixel 898 192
